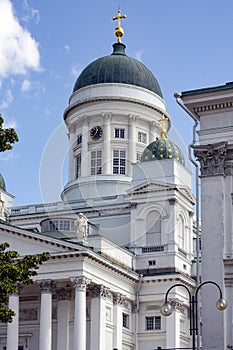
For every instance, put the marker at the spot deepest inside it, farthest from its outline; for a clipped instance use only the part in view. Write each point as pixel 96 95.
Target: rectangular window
pixel 96 162
pixel 120 133
pixel 142 137
pixel 79 139
pixel 125 320
pixel 119 162
pixel 153 323
pixel 78 165
pixel 139 157
pixel 65 225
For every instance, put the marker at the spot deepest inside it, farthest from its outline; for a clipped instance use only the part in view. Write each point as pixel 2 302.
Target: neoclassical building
pixel 104 290
pixel 212 110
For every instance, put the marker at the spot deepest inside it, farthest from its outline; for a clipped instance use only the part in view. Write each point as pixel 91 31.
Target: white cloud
pixel 138 55
pixel 76 70
pixel 18 49
pixel 26 85
pixel 9 123
pixel 31 12
pixel 7 100
pixel 67 48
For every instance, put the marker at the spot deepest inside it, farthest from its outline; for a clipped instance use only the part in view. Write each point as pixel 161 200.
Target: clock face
pixel 96 132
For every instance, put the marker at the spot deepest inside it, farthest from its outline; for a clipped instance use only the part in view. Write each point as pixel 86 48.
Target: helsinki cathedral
pixel 122 233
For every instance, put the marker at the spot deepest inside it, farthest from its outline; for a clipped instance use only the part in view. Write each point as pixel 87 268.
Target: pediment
pixel 154 186
pixel 27 243
pixel 151 186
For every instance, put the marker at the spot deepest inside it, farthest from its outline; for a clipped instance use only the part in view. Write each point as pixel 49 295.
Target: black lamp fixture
pixel 166 308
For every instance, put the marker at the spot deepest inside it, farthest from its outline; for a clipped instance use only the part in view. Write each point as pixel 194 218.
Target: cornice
pixel 212 107
pixel 112 98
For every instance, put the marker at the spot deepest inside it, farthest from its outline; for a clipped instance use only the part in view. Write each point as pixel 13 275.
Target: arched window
pixel 181 232
pixel 153 228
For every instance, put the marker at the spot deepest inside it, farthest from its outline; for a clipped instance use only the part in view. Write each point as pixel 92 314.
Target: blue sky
pixel 44 45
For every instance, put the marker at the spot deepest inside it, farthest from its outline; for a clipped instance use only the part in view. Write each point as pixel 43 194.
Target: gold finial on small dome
pixel 163 132
pixel 119 32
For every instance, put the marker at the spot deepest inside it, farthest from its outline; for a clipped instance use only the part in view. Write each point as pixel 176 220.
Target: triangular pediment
pixel 154 186
pixel 27 243
pixel 151 186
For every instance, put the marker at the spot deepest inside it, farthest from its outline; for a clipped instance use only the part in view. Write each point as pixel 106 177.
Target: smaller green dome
pixel 2 183
pixel 161 149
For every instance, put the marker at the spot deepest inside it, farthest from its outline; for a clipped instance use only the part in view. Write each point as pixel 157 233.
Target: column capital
pixel 132 118
pixel 19 287
pixel 118 298
pixel 64 293
pixel 212 158
pixel 84 120
pixel 100 291
pixel 72 128
pixel 80 283
pixel 177 305
pixel 46 285
pixel 107 117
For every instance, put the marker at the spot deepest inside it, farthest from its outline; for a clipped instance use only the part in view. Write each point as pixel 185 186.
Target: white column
pixel 118 300
pixel 63 318
pixel 45 341
pixel 107 158
pixel 13 328
pixel 79 340
pixel 84 153
pixel 213 225
pixel 173 330
pixel 72 163
pixel 98 313
pixel 132 141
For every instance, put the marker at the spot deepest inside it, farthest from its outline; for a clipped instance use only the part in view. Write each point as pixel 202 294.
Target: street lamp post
pixel 166 308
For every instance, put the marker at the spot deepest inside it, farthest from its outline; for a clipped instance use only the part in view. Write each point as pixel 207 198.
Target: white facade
pixel 213 109
pixel 106 293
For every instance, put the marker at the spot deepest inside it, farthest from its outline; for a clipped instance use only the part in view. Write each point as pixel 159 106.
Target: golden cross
pixel 119 32
pixel 163 131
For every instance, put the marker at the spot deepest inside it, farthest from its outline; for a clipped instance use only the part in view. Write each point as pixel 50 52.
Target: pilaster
pixel 118 301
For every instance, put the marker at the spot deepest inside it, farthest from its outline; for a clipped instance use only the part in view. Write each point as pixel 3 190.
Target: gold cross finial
pixel 163 132
pixel 119 32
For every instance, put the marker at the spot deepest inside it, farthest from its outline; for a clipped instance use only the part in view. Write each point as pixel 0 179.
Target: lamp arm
pixel 209 282
pixel 178 285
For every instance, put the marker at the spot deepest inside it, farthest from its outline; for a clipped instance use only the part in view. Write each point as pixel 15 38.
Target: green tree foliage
pixel 15 271
pixel 7 137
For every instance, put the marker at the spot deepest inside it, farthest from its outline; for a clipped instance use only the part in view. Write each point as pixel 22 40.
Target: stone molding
pixel 64 293
pixel 177 305
pixel 80 283
pixel 212 107
pixel 100 291
pixel 132 119
pixel 107 117
pixel 212 158
pixel 46 286
pixel 118 299
pixel 19 287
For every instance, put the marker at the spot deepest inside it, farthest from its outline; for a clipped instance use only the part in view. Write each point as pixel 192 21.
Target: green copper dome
pixel 2 183
pixel 161 149
pixel 118 68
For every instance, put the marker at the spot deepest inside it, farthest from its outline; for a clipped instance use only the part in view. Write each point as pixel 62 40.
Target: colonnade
pixel 98 294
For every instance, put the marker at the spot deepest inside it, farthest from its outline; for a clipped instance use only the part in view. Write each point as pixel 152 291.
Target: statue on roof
pixel 81 227
pixel 2 207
